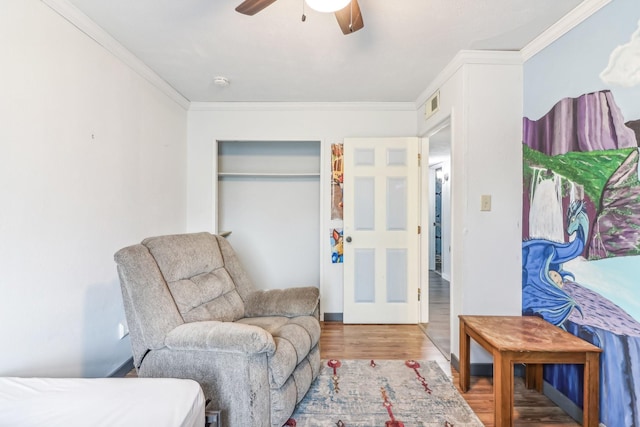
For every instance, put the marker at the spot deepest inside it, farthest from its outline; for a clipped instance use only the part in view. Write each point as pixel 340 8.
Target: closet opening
pixel 268 198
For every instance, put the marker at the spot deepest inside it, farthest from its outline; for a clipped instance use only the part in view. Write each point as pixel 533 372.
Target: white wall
pixel 93 159
pixel 482 95
pixel 329 123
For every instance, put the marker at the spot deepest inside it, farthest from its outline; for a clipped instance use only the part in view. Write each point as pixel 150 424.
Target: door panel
pixel 381 214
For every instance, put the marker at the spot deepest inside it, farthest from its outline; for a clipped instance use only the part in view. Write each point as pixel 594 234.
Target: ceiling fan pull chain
pixel 304 17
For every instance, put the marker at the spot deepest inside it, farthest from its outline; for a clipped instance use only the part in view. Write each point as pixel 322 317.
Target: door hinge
pixel 419 158
pixel 419 290
pixel 419 230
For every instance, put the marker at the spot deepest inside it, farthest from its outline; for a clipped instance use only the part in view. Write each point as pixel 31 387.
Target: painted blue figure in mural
pixel 542 272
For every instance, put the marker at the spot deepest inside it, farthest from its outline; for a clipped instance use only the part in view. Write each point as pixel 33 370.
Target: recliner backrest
pixel 194 269
pixel 170 280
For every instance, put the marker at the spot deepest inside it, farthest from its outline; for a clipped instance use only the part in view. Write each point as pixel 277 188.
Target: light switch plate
pixel 485 202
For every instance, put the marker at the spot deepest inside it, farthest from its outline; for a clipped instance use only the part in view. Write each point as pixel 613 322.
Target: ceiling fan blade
pixel 251 7
pixel 350 18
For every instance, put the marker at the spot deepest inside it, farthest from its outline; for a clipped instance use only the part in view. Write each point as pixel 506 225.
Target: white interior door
pixel 381 240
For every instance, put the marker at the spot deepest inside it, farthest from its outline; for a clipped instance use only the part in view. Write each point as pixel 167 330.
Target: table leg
pixel 590 414
pixel 533 376
pixel 502 389
pixel 465 360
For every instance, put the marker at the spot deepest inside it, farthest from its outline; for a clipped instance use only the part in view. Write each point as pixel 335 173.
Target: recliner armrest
pixel 220 336
pixel 289 302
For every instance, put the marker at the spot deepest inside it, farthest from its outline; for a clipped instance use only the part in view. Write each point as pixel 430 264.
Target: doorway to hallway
pixel 437 221
pixel 438 326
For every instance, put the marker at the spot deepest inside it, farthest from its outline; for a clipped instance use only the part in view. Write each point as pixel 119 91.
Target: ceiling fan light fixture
pixel 327 6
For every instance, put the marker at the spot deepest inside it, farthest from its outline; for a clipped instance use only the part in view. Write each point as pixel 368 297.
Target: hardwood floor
pixel 409 342
pixel 401 342
pixel 438 328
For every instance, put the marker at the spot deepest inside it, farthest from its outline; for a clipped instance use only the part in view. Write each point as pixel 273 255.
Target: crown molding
pixel 302 106
pixel 464 57
pixel 580 13
pixel 100 36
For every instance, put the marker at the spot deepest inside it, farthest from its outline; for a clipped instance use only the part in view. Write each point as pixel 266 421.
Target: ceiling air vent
pixel 432 105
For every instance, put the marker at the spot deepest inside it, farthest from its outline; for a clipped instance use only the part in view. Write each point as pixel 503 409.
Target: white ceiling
pixel 275 57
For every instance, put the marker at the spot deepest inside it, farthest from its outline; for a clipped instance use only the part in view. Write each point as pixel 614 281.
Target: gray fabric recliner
pixel 193 313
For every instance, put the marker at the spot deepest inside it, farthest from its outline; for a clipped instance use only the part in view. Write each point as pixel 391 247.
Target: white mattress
pixel 100 402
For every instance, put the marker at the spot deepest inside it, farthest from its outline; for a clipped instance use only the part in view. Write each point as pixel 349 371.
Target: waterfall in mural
pixel 545 214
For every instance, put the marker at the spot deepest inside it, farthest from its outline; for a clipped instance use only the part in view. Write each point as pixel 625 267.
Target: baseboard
pixel 559 399
pixel 333 317
pixel 123 369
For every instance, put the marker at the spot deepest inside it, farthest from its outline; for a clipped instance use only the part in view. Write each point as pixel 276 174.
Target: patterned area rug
pixel 383 393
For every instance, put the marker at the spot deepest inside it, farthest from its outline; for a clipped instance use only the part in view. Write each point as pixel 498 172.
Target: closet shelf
pixel 269 174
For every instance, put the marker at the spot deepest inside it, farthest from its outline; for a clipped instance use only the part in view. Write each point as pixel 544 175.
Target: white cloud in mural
pixel 624 63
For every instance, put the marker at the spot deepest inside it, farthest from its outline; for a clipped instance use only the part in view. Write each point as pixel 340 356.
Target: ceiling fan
pixel 349 17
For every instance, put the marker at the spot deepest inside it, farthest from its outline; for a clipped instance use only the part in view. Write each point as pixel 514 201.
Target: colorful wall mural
pixel 337 178
pixel 337 246
pixel 581 202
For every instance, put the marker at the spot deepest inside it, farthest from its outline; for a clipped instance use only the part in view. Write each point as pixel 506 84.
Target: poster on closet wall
pixel 337 172
pixel 336 246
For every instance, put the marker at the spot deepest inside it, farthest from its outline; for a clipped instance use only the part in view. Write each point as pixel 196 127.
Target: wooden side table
pixel 532 341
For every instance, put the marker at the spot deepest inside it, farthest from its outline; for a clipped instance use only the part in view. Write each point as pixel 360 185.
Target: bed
pixel 101 402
